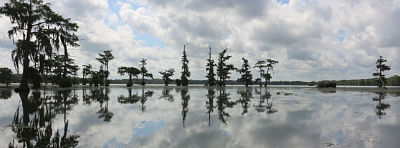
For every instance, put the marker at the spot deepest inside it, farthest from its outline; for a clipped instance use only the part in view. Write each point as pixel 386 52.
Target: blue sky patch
pixel 149 128
pixel 149 40
pixel 341 35
pixel 283 2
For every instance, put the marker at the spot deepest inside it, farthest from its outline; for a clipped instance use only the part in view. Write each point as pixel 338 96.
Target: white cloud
pixel 301 35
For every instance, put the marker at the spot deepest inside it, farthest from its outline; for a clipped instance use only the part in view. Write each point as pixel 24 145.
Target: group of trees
pixel 134 72
pixel 224 70
pixel 5 75
pixel 38 32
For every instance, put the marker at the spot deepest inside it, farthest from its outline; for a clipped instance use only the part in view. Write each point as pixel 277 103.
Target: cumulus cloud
pixel 312 40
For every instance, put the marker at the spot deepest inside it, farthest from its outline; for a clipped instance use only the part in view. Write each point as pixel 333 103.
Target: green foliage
pixel 131 71
pixel 143 71
pixel 210 70
pixel 65 82
pixel 166 74
pixel 104 59
pixel 96 78
pixel 327 84
pixel 63 68
pixel 38 29
pixel 380 68
pixel 178 82
pixel 391 81
pixel 185 68
pixel 246 73
pixel 5 75
pixel 223 69
pixel 260 65
pixel 85 72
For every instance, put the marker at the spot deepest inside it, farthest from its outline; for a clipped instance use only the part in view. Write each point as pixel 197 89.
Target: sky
pixel 312 40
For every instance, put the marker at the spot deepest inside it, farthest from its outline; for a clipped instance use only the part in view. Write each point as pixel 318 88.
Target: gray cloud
pixel 301 35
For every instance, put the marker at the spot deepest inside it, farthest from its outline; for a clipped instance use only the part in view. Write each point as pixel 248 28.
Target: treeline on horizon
pixel 46 33
pixel 391 81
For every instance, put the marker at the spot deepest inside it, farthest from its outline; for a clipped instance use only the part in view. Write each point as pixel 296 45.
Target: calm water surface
pixel 199 117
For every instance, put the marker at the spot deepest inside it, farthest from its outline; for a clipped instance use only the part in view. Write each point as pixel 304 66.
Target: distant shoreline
pixel 338 88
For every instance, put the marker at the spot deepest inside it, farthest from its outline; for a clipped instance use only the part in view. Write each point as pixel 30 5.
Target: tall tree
pixel 143 71
pixel 104 59
pixel 166 74
pixel 260 65
pixel 85 72
pixel 246 73
pixel 131 71
pixel 380 68
pixel 5 75
pixel 223 69
pixel 185 68
pixel 38 29
pixel 210 70
pixel 270 67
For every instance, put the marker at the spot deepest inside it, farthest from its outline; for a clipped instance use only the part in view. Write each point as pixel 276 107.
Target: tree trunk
pixel 143 79
pixel 129 81
pixel 106 76
pixel 23 86
pixel 65 57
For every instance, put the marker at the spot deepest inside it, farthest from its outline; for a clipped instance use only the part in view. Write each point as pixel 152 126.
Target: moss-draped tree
pixel 246 73
pixel 185 68
pixel 223 69
pixel 210 70
pixel 38 29
pixel 166 75
pixel 131 71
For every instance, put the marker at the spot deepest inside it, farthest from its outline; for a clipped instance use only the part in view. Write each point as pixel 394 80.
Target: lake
pixel 200 117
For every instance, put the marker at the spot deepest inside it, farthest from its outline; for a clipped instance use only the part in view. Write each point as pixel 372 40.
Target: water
pixel 200 117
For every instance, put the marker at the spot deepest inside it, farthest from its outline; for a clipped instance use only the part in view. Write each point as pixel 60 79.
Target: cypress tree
pixel 185 68
pixel 246 73
pixel 380 68
pixel 223 69
pixel 210 70
pixel 144 71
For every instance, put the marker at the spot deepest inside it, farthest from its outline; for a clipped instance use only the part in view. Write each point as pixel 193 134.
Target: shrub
pixel 326 84
pixel 65 83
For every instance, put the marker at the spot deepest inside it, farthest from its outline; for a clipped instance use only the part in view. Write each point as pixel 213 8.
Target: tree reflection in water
pixel 130 99
pixel 244 100
pixel 103 98
pixel 143 99
pixel 166 95
pixel 261 107
pixel 185 103
pixel 34 128
pixel 381 106
pixel 223 102
pixel 210 103
pixel 134 98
